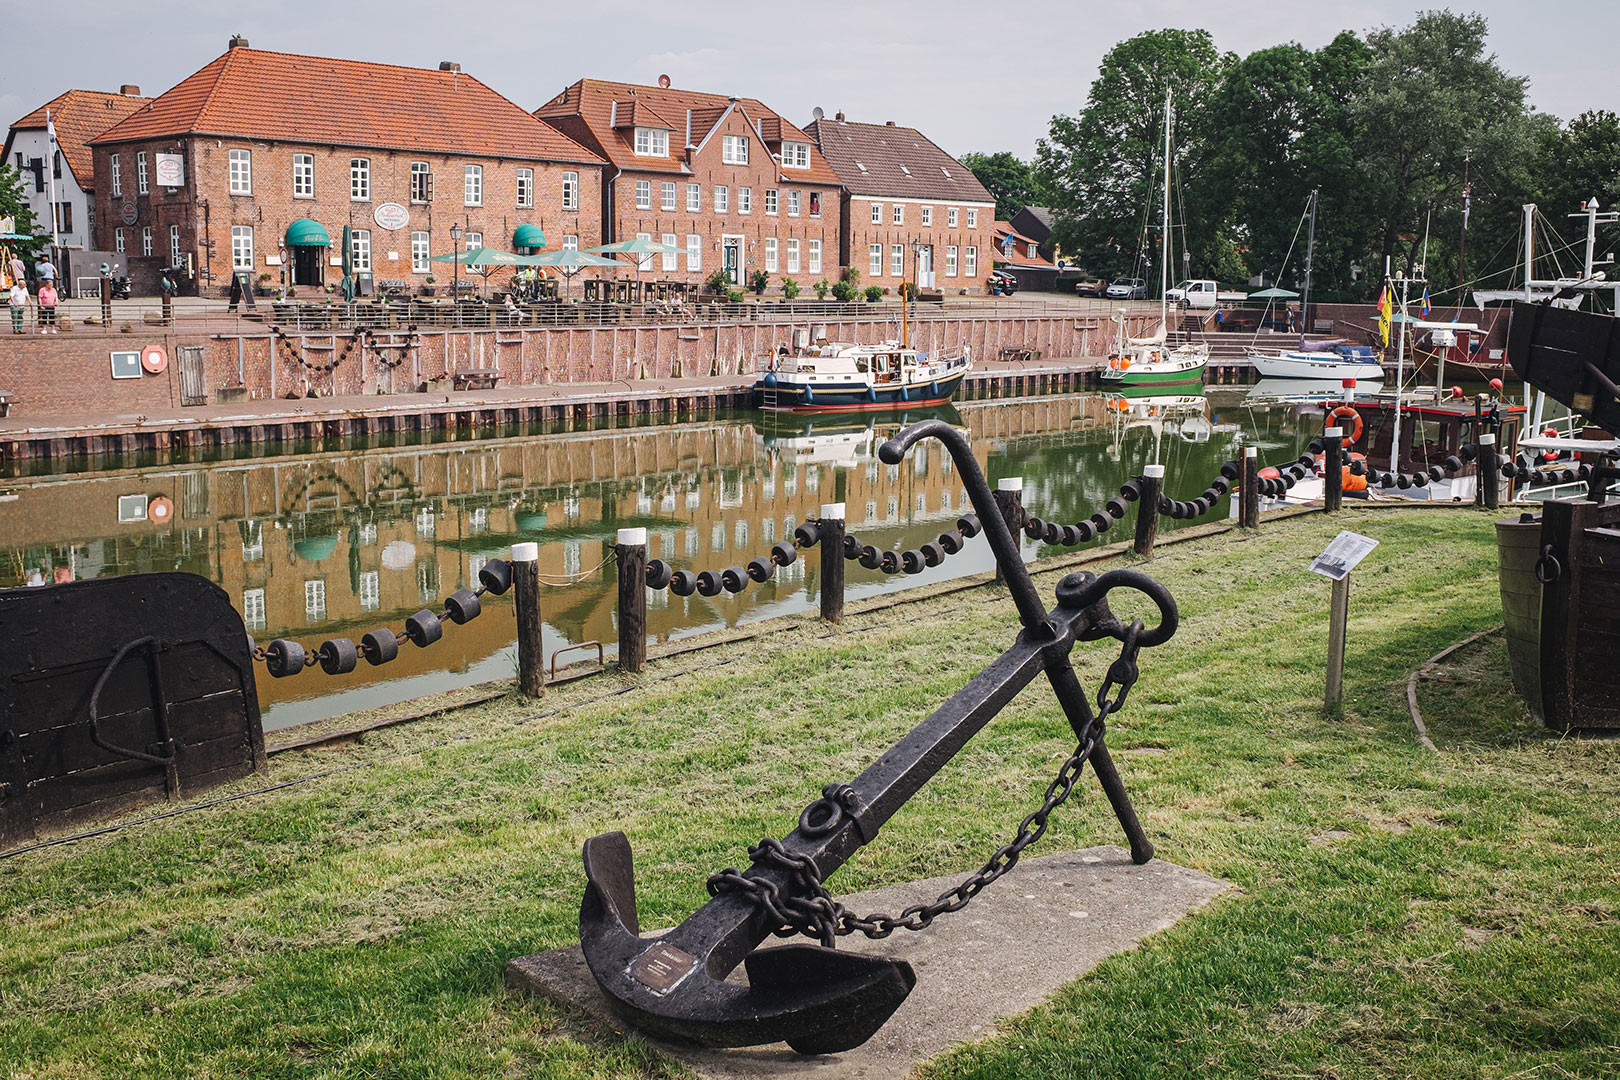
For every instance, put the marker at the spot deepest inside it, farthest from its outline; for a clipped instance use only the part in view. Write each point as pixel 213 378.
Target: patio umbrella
pixel 1274 294
pixel 569 261
pixel 483 261
pixel 348 264
pixel 640 248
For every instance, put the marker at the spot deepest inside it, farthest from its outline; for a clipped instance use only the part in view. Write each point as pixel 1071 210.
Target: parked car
pixel 1128 288
pixel 1003 280
pixel 1091 287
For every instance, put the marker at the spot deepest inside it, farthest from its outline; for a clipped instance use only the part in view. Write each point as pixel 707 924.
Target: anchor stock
pixel 810 996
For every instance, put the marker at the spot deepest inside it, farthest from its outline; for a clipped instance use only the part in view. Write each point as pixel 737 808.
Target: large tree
pixel 14 199
pixel 1009 179
pixel 1102 167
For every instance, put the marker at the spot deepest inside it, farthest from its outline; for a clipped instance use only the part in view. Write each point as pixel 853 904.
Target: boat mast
pixel 1400 367
pixel 1529 247
pixel 1164 224
pixel 1310 254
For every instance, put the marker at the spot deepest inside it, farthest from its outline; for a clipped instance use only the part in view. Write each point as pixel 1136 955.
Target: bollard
pixel 1488 471
pixel 1332 468
pixel 832 561
pixel 106 301
pixel 1249 489
pixel 1338 617
pixel 168 308
pixel 1009 496
pixel 631 553
pixel 526 600
pixel 1147 509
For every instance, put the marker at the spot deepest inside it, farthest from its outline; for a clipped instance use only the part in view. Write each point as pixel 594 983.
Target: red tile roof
pixel 897 162
pixel 1020 255
pixel 79 116
pixel 285 97
pixel 589 105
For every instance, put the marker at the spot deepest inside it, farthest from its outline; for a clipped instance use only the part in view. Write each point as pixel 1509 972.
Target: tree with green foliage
pixel 14 199
pixel 1102 167
pixel 1004 175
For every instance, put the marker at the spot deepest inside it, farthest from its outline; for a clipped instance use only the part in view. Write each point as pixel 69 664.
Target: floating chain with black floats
pixel 814 998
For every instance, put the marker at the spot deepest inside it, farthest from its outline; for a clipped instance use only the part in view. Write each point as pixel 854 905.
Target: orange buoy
pixel 1270 472
pixel 160 509
pixel 154 359
pixel 1348 412
pixel 1349 481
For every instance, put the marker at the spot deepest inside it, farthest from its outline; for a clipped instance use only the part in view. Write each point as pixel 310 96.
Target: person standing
pixel 45 271
pixel 19 271
pixel 47 307
pixel 19 305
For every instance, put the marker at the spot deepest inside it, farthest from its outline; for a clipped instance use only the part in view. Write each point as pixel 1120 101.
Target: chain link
pixel 808 908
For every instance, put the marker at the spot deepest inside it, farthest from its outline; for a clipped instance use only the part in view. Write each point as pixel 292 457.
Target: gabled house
pixel 1035 222
pixel 78 116
pixel 253 166
pixel 727 180
pixel 911 211
pixel 1020 255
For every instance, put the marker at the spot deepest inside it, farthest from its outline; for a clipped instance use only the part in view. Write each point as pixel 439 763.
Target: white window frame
pixel 174 245
pixel 970 261
pixel 361 239
pixel 140 172
pixel 666 195
pixel 570 190
pixel 950 260
pixel 421 192
pixel 899 217
pixel 370 591
pixel 303 176
pixel 315 599
pixel 672 259
pixel 117 179
pixel 897 260
pixel 928 215
pixel 813 257
pixel 694 252
pixel 359 179
pixel 643 194
pixel 734 149
pixel 253 616
pixel 118 240
pixel 877 213
pixel 421 251
pixel 793 255
pixel 525 189
pixel 951 213
pixel 722 199
pixel 1032 250
pixel 472 240
pixel 651 142
pixel 745 200
pixel 241 246
pixel 570 242
pixel 874 260
pixel 770 254
pixel 472 185
pixel 241 171
pixel 772 201
pixel 795 155
pixel 644 262
pixel 973 219
pixel 793 204
pixel 146 240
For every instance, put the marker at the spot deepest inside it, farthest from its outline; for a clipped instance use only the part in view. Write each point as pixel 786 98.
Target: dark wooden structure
pixel 119 692
pixel 1580 614
pixel 1572 356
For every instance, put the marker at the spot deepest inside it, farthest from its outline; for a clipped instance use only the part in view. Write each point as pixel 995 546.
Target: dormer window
pixel 795 155
pixel 734 149
pixel 652 142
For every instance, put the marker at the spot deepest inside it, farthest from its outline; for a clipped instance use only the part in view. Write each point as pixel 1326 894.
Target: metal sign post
pixel 1341 556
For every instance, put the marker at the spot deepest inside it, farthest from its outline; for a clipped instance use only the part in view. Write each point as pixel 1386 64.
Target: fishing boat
pixel 844 377
pixel 1155 359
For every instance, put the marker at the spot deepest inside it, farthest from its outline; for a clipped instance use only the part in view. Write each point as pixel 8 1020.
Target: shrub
pixel 843 291
pixel 759 281
pixel 908 290
pixel 821 288
pixel 874 293
pixel 734 296
pixel 851 276
pixel 718 282
pixel 790 288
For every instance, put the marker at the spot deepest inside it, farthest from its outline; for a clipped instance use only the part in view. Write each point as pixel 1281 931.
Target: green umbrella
pixel 569 261
pixel 1274 294
pixel 348 264
pixel 483 261
pixel 639 247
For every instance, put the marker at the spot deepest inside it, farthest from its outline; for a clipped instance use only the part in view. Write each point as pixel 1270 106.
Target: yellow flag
pixel 1386 315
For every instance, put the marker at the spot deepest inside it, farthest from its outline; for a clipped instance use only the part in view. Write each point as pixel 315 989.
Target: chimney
pixel 840 116
pixel 130 90
pixel 238 41
pixel 449 65
pixel 613 114
pixel 888 123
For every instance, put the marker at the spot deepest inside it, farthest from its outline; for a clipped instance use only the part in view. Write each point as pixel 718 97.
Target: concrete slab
pixel 1047 923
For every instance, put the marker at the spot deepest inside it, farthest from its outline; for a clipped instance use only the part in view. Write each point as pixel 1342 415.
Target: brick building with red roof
pixel 911 211
pixel 726 179
pixel 260 151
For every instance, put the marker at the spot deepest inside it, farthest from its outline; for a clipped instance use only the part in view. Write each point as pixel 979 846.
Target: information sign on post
pixel 1342 556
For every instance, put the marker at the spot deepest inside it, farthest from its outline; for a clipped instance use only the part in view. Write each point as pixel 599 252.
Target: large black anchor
pixel 813 998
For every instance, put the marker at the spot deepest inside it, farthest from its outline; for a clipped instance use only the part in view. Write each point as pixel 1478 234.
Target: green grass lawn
pixel 1398 913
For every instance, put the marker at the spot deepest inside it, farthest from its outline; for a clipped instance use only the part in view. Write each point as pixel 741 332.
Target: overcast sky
pixel 971 75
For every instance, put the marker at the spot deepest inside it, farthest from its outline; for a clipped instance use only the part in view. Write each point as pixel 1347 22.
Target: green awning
pixel 529 236
pixel 307 233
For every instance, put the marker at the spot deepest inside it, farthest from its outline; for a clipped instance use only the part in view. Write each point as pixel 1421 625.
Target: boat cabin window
pixel 862 365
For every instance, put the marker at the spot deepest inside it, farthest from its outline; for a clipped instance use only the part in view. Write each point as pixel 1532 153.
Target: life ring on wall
pixel 1347 412
pixel 154 359
pixel 160 509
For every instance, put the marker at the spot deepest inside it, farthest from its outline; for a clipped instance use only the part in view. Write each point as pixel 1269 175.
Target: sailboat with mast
pixel 1156 360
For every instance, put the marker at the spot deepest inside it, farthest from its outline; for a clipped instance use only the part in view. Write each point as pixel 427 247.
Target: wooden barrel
pixel 1517 545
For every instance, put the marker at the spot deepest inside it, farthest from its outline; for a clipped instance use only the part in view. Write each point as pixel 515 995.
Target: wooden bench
pixel 475 378
pixel 1017 354
pixel 6 398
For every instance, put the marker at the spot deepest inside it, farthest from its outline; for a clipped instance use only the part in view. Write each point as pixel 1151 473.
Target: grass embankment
pixel 1400 913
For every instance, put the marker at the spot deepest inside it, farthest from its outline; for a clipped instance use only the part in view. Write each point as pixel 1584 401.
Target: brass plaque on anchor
pixel 1581 402
pixel 662 967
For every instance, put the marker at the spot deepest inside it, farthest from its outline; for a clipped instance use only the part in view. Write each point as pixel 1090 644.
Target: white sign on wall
pixel 171 170
pixel 391 216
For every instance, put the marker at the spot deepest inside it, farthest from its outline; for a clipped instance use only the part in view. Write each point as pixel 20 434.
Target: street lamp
pixel 455 266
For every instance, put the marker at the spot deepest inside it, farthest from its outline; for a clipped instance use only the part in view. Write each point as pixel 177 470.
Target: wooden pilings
pixel 1009 496
pixel 1489 472
pixel 1147 509
pixel 1333 469
pixel 832 561
pixel 631 552
pixel 526 599
pixel 1249 489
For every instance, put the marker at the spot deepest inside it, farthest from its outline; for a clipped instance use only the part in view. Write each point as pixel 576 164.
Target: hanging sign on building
pixel 130 213
pixel 171 170
pixel 391 216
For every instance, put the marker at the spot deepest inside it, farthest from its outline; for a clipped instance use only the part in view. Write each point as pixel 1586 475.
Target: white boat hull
pixel 1313 365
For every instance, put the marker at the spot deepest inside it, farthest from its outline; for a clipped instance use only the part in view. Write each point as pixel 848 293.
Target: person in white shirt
pixel 19 305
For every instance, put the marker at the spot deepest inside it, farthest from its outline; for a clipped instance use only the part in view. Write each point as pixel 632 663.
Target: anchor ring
pixel 1081 590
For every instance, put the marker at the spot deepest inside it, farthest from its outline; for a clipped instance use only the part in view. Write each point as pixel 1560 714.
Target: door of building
pixel 925 267
pixel 308 265
pixel 731 257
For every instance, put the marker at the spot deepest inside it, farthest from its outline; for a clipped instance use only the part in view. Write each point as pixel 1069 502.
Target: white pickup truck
pixel 1202 293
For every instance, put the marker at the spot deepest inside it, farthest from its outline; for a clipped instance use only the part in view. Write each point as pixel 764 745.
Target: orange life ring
pixel 154 359
pixel 160 509
pixel 1347 412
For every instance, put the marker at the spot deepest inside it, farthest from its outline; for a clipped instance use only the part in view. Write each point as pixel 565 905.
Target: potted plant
pixel 718 283
pixel 790 289
pixel 264 284
pixel 908 290
pixel 734 296
pixel 759 280
pixel 843 291
pixel 427 289
pixel 821 288
pixel 874 293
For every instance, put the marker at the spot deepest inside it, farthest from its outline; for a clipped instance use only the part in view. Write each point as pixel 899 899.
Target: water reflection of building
pixel 338 543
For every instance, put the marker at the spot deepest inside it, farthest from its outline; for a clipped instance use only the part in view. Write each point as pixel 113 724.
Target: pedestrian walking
pixel 46 272
pixel 19 305
pixel 47 307
pixel 19 270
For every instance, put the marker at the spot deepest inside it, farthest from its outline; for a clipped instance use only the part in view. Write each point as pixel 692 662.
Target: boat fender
pixel 1420 480
pixel 905 393
pixel 709 583
pixel 761 569
pixel 1086 531
pixel 338 656
pixel 1347 412
pixel 379 646
pixel 1053 533
pixel 871 393
pixel 1101 522
pixel 950 542
pixel 769 379
pixel 1034 528
pixel 933 388
pixel 912 562
pixel 1317 446
pixel 1221 485
pixel 1436 472
pixel 1584 472
pixel 852 546
pixel 283 658
pixel 424 628
pixel 733 579
pixel 1115 507
pixel 968 525
pixel 1071 535
pixel 784 554
pixel 1201 505
pixel 1510 469
pixel 496 576
pixel 659 574
pixel 1230 470
pixel 462 606
pixel 1131 490
pixel 683 583
pixel 1357 467
pixel 1403 481
pixel 808 534
pixel 1211 496
pixel 932 554
pixel 889 563
pixel 870 557
pixel 1452 464
pixel 1468 451
pixel 809 395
